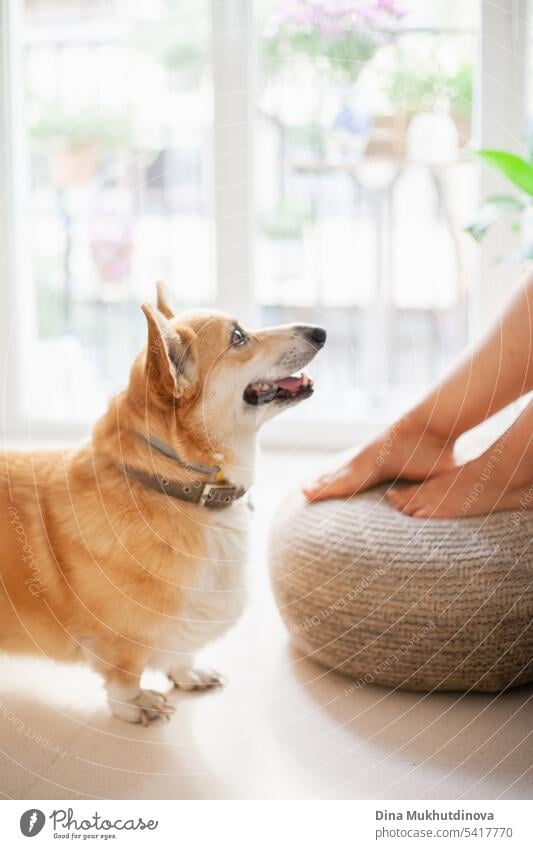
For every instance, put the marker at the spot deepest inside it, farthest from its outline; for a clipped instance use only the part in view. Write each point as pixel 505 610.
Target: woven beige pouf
pixel 402 602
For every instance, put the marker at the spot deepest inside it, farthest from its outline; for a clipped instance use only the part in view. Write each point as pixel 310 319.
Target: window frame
pixel 503 58
pixel 499 120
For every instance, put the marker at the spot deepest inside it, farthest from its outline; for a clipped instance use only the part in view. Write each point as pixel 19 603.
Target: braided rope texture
pixel 402 602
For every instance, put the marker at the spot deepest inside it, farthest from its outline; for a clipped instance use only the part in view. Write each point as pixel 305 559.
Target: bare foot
pixel 406 450
pixel 501 479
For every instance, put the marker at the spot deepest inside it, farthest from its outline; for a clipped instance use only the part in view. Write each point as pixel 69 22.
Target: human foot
pixel 406 450
pixel 501 479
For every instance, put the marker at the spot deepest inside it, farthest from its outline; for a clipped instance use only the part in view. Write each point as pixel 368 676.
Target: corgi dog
pixel 129 552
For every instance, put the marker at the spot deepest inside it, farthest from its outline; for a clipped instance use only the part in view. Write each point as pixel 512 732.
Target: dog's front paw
pixel 146 706
pixel 186 678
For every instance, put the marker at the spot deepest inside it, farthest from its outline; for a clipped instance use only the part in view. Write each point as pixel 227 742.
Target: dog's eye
pixel 238 338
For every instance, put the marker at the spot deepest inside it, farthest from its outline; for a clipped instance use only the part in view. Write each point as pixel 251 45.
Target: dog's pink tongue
pixel 291 384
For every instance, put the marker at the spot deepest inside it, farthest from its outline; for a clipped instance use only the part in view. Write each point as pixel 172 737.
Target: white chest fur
pixel 213 589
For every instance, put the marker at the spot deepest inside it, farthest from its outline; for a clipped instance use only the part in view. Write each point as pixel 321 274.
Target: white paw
pixel 144 707
pixel 196 679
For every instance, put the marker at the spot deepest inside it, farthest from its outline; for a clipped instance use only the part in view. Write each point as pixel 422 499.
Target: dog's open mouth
pixel 287 389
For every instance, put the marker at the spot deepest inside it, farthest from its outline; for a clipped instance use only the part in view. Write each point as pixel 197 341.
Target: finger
pixel 338 485
pixel 319 483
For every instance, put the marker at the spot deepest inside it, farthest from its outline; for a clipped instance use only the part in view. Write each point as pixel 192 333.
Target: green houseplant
pixel 338 38
pixel 513 208
pixel 74 139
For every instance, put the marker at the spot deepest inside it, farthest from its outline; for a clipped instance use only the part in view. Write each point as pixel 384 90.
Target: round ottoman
pixel 403 602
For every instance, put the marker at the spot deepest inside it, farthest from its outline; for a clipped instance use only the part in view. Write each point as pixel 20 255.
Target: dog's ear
pixel 163 300
pixel 171 356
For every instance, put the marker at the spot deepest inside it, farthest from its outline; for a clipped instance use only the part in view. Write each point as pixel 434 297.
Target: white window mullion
pixel 500 120
pixel 233 83
pixel 16 327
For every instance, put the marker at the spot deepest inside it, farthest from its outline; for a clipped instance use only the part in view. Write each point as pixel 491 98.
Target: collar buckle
pixel 207 493
pixel 218 495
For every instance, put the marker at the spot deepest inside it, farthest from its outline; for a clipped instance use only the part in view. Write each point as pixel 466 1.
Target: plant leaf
pixel 509 202
pixel 516 169
pixel 492 210
pixel 520 255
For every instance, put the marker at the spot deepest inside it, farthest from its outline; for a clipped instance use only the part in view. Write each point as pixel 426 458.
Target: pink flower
pixel 370 20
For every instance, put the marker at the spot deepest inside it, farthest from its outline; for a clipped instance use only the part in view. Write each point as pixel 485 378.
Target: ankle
pixel 419 422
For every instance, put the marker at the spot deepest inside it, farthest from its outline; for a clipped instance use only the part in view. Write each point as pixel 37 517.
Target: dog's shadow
pixel 60 751
pixel 473 733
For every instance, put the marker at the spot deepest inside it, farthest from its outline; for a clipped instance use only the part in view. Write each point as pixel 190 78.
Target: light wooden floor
pixel 282 728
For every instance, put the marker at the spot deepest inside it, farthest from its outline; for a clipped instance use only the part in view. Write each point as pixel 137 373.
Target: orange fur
pixel 94 565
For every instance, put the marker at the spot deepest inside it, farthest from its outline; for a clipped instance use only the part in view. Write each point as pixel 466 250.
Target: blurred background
pixel 286 159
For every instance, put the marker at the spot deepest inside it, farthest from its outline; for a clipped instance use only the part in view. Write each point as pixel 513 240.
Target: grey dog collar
pixel 153 442
pixel 210 494
pixel 214 494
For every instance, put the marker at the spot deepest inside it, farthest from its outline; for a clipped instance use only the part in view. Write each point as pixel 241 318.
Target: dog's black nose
pixel 317 335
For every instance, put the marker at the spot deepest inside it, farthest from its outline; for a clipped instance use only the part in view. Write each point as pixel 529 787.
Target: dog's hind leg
pixel 185 676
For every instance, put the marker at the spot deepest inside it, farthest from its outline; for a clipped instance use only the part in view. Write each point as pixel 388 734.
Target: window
pixel 365 114
pixel 137 122
pixel 117 118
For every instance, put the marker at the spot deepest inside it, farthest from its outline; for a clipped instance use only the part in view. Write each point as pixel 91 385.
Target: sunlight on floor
pixel 282 728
